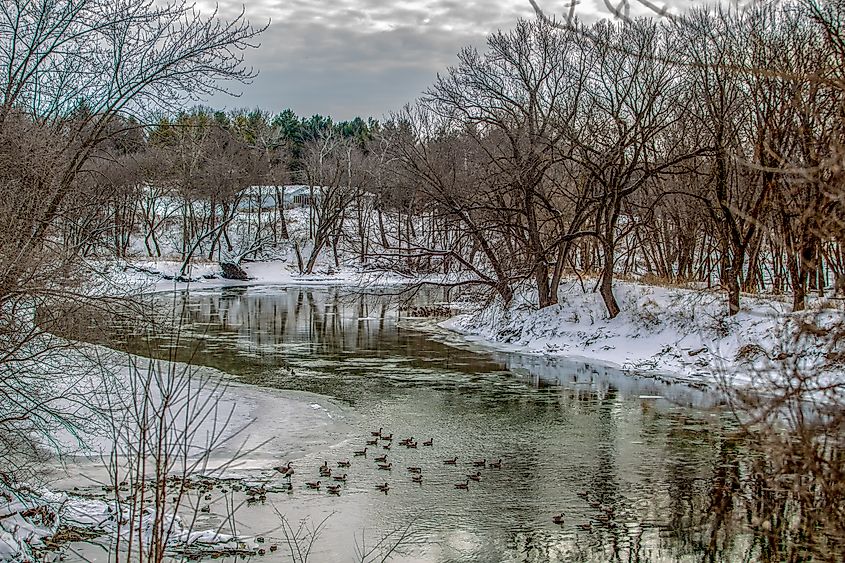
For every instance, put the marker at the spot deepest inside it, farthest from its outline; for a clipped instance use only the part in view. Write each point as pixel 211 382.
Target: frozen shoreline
pixel 258 428
pixel 159 276
pixel 667 331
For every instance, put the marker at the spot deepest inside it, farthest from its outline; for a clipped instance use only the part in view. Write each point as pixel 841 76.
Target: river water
pixel 643 450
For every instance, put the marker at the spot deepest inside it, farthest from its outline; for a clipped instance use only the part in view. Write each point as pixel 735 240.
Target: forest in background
pixel 706 148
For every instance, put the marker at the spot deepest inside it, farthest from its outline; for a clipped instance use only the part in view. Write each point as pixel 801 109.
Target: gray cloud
pixel 359 57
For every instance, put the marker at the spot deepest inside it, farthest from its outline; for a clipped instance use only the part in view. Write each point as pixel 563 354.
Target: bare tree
pixel 516 103
pixel 333 177
pixel 446 169
pixel 622 138
pixel 68 70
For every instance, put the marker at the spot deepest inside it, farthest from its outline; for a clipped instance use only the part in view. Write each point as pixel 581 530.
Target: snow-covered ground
pixel 31 515
pixel 669 330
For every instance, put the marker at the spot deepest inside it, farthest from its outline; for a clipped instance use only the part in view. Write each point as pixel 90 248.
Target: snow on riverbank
pixel 160 275
pixel 30 516
pixel 678 331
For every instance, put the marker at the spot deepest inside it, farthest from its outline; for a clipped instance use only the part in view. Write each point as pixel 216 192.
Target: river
pixel 628 460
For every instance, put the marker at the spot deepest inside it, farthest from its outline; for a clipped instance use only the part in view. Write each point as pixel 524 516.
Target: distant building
pixel 298 196
pixel 264 197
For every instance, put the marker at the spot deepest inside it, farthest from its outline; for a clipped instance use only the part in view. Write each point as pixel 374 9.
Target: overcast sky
pixel 347 58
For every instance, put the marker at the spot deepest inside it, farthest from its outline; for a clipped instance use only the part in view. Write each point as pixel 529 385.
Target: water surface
pixel 643 449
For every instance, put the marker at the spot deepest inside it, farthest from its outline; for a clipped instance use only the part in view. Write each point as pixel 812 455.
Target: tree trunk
pixel 557 275
pixel 319 242
pixel 505 292
pixel 799 296
pixel 732 286
pixel 280 204
pixel 606 284
pixel 538 257
pixel 384 242
pixel 299 264
pixel 147 245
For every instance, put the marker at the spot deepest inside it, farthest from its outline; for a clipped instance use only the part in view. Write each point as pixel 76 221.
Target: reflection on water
pixel 561 427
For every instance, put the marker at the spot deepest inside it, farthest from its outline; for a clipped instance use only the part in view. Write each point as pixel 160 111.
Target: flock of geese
pixel 384 441
pixel 333 480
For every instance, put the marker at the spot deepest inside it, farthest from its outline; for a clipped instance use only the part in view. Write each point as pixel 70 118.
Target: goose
pixel 583 494
pixel 361 452
pixel 285 470
pixel 383 488
pixel 385 466
pixel 496 465
pixel 415 470
pixel 406 441
pixel 376 433
pixel 341 478
pixel 386 446
pixel 603 517
pixel 314 485
pixel 411 445
pixel 586 527
pixel 325 472
pixel 372 442
pixel 388 438
pixel 558 518
pixel 344 463
pixel 476 477
pixel 254 492
pixel 416 478
pixel 452 461
pixel 333 489
pixel 429 442
pixel 381 458
pixel 480 463
pixel 464 485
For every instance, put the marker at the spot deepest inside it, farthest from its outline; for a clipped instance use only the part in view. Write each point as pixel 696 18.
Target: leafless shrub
pixel 384 547
pixel 300 541
pixel 166 425
pixel 789 487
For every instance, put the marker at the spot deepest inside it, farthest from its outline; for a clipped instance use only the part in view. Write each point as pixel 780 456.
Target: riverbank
pixel 666 330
